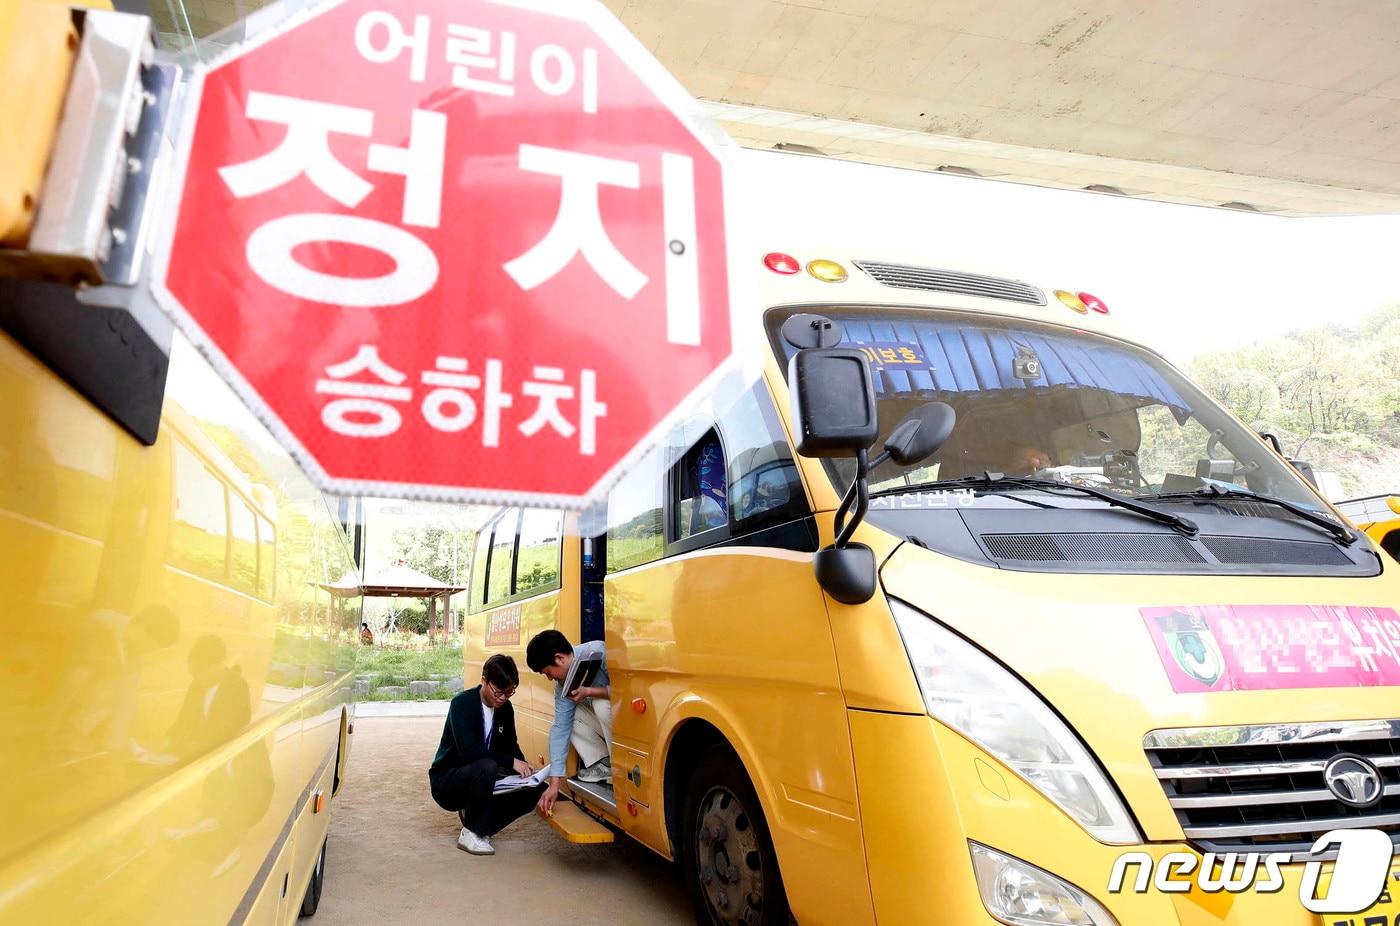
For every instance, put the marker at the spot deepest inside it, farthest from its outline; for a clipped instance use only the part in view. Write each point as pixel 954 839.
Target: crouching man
pixel 583 717
pixel 478 747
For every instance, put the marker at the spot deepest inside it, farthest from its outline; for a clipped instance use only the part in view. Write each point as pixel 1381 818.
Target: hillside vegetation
pixel 1331 393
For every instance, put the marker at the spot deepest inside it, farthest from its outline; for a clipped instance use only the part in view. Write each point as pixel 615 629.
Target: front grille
pixel 1092 548
pixel 902 276
pixel 1265 551
pixel 1261 787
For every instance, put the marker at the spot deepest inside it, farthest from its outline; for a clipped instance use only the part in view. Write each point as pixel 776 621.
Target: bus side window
pixel 764 487
pixel 636 531
pixel 701 502
pixel 199 535
pixel 243 563
pixel 480 550
pixel 537 564
pixel 1390 543
pixel 498 571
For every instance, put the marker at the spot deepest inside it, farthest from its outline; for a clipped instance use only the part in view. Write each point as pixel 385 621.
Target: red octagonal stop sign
pixel 449 249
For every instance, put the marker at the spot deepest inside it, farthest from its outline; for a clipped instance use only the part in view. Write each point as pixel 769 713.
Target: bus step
pixel 576 826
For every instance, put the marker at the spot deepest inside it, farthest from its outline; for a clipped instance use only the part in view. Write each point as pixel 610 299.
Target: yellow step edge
pixel 576 826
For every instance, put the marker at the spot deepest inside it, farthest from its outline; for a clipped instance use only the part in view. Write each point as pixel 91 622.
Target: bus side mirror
pixel 833 401
pixel 847 570
pixel 846 573
pixel 919 435
pixel 1304 468
pixel 834 415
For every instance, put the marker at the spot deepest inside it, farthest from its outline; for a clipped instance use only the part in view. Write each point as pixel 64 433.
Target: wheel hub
pixel 730 864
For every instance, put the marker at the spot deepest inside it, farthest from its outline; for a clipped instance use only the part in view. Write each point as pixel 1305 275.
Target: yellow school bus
pixel 1379 517
pixel 175 678
pixel 1095 615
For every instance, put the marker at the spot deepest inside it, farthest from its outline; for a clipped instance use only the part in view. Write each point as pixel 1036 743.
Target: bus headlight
pixel 967 690
pixel 1019 893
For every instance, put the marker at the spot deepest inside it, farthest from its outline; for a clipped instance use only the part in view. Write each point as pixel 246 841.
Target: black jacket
pixel 462 735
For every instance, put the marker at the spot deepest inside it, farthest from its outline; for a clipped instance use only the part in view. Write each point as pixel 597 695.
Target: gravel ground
pixel 393 854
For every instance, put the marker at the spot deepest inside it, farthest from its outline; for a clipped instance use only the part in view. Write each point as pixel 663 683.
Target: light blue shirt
pixel 563 728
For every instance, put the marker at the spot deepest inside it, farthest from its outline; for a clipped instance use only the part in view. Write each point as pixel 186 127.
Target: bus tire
pixel 312 899
pixel 730 868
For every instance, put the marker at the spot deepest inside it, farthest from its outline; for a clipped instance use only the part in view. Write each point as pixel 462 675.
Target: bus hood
pixel 1119 656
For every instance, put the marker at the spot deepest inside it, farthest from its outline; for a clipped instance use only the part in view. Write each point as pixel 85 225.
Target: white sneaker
pixel 599 771
pixel 476 845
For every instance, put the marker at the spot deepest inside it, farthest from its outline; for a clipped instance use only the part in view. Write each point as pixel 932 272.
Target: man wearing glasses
pixel 478 747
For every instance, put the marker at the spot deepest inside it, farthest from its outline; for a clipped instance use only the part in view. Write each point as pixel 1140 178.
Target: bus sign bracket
pixel 92 218
pixel 73 290
pixel 110 343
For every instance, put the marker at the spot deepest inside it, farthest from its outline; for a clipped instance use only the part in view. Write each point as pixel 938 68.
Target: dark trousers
pixel 467 790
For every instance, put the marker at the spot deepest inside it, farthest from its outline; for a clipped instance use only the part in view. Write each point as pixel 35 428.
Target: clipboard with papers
pixel 520 782
pixel 582 672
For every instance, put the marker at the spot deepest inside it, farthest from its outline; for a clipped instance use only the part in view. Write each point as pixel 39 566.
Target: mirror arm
pixel 847 500
pixel 859 494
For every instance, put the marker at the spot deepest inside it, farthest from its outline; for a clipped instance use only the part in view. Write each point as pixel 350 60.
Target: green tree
pixel 413 618
pixel 438 550
pixel 1331 393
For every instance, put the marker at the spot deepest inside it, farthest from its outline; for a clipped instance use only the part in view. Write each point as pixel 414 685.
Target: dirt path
pixel 393 854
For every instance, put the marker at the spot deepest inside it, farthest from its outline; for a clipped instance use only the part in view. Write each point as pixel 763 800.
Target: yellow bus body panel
pixel 1381 530
pixel 688 636
pixel 169 718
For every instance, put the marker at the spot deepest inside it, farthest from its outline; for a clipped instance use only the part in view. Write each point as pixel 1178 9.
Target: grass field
pixel 386 666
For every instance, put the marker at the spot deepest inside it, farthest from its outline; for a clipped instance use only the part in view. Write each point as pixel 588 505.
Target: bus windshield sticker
pixel 884 354
pixel 1257 647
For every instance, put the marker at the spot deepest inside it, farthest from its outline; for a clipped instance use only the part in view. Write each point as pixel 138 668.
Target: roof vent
pixel 902 276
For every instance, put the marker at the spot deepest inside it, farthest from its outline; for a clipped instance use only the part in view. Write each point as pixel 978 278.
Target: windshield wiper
pixel 999 481
pixel 1341 532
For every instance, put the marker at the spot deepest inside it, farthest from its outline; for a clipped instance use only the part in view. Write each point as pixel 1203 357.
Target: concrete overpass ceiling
pixel 1279 106
pixel 1284 106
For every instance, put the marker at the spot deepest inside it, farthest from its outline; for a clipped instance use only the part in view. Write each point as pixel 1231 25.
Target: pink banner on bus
pixel 1254 647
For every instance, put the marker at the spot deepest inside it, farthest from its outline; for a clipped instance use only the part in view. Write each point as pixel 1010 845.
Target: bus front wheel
pixel 731 869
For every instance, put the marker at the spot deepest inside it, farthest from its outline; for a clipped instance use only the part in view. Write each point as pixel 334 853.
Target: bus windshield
pixel 1050 402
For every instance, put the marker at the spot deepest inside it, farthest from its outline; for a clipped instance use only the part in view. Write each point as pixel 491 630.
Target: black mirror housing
pixel 833 401
pixel 921 433
pixel 1305 469
pixel 846 573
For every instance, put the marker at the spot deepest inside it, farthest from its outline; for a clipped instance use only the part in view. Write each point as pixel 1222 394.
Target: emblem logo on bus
pixel 1353 780
pixel 1194 647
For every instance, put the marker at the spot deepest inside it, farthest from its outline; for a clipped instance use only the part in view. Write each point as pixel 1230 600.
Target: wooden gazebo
pixel 400 581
